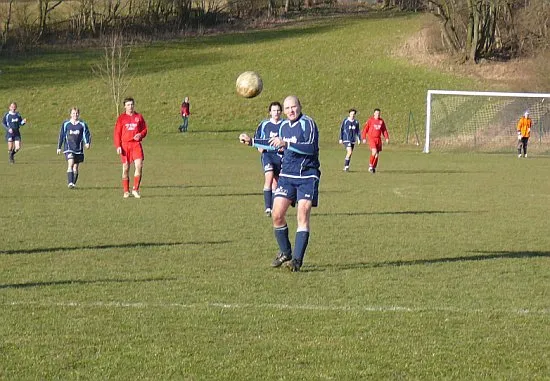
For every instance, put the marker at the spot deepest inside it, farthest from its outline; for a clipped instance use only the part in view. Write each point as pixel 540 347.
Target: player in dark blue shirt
pixel 11 122
pixel 74 136
pixel 271 160
pixel 350 133
pixel 298 180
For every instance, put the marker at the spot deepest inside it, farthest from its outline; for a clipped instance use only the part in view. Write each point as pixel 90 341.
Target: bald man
pixel 298 181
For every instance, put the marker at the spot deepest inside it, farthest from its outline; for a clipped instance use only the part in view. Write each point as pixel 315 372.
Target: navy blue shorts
pixel 271 163
pixel 349 145
pixel 77 157
pixel 13 137
pixel 298 189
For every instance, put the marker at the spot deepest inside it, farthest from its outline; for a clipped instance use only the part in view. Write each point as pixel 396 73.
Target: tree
pixel 44 9
pixel 7 24
pixel 113 69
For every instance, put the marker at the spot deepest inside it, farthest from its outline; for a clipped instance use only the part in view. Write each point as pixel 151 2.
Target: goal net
pixel 484 121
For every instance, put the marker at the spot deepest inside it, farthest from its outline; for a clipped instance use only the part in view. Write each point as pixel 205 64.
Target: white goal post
pixel 483 120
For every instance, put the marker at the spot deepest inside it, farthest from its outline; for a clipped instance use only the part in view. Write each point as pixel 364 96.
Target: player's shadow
pixel 255 194
pixel 427 171
pixel 398 213
pixel 216 132
pixel 77 282
pixel 480 256
pixel 134 245
pixel 160 186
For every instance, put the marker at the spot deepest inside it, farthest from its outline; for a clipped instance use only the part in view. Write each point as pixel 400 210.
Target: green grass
pixel 434 268
pixel 331 65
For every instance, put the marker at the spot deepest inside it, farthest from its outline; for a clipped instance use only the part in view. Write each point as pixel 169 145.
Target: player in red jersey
pixel 374 128
pixel 130 129
pixel 184 111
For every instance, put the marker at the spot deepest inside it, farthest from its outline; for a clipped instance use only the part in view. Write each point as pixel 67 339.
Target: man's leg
pixel 10 151
pixel 138 169
pixel 268 192
pixel 125 180
pixel 75 172
pixel 372 160
pixel 280 228
pixel 349 152
pixel 302 233
pixel 70 173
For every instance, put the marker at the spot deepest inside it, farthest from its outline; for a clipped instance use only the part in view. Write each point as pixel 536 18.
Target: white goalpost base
pixel 483 120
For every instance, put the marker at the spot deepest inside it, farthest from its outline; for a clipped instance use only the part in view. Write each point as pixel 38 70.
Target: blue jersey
pixel 350 131
pixel 13 121
pixel 301 157
pixel 73 137
pixel 267 130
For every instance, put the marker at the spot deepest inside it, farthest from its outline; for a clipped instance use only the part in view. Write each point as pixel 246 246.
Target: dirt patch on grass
pixel 425 48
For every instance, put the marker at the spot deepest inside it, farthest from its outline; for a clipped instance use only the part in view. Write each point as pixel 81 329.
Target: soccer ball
pixel 249 84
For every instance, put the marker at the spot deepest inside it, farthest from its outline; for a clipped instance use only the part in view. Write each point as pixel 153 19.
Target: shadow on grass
pixel 407 212
pixel 81 282
pixel 479 256
pixel 42 250
pixel 427 171
pixel 160 186
pixel 256 194
pixel 214 132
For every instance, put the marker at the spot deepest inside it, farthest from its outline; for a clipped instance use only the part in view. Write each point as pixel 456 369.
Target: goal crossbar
pixel 430 93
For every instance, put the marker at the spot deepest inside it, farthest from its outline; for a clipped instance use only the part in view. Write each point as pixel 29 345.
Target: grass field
pixel 434 268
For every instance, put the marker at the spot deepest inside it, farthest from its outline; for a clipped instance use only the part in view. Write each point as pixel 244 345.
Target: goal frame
pixel 467 93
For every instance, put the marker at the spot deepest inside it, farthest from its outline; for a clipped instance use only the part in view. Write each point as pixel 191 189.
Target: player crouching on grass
pixel 298 180
pixel 74 136
pixel 374 128
pixel 130 129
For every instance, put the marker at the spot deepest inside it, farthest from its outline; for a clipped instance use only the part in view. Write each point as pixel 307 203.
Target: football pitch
pixel 436 267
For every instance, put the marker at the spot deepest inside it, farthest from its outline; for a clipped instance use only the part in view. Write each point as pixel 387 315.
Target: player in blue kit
pixel 74 136
pixel 298 180
pixel 350 133
pixel 271 160
pixel 11 122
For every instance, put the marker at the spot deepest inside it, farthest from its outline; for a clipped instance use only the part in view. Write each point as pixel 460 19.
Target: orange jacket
pixel 524 127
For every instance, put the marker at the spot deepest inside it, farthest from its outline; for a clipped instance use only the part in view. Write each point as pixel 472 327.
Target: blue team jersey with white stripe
pixel 13 121
pixel 301 158
pixel 267 130
pixel 73 137
pixel 350 131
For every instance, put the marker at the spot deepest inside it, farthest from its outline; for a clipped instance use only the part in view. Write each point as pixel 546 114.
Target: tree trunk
pixel 6 27
pixel 44 9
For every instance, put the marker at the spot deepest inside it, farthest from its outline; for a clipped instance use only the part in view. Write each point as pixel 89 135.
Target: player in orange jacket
pixel 524 132
pixel 130 129
pixel 375 128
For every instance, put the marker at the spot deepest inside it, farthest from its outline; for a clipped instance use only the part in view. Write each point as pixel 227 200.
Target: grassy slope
pixel 435 268
pixel 331 65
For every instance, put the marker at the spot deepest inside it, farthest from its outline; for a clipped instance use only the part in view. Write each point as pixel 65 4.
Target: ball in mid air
pixel 249 84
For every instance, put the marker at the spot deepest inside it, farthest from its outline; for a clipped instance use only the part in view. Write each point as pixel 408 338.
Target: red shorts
pixel 375 143
pixel 131 152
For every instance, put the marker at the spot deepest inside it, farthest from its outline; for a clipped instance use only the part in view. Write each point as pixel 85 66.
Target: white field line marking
pixel 245 306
